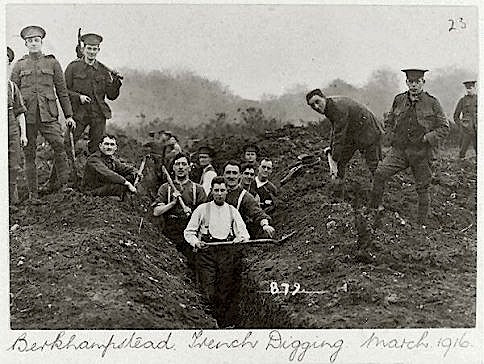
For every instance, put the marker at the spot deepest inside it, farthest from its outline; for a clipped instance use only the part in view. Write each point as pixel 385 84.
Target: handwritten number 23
pixel 453 24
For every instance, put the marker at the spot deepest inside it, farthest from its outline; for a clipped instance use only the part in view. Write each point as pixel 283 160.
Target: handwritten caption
pixel 421 342
pixel 273 341
pixel 457 24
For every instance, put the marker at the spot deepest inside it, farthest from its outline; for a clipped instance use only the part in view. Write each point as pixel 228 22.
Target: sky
pixel 259 49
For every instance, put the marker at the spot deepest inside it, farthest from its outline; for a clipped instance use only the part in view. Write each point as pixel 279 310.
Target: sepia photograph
pixel 217 166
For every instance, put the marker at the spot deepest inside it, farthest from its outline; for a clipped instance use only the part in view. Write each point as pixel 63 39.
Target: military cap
pixel 469 84
pixel 414 73
pixel 315 92
pixel 205 149
pixel 151 133
pixel 252 148
pixel 32 31
pixel 10 54
pixel 167 132
pixel 91 38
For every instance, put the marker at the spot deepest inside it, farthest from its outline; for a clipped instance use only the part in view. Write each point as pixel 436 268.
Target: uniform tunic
pixel 106 175
pixel 465 116
pixel 41 82
pixel 96 82
pixel 411 121
pixel 354 127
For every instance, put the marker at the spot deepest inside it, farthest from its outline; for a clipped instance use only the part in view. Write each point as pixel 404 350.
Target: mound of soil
pixel 84 262
pixel 79 261
pixel 407 277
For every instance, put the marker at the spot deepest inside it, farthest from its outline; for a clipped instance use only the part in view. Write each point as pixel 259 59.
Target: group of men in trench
pixel 201 207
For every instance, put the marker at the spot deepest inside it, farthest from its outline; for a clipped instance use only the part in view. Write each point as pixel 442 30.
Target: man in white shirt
pixel 208 172
pixel 217 266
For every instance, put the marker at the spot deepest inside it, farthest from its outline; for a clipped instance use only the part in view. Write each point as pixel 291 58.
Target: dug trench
pixel 84 262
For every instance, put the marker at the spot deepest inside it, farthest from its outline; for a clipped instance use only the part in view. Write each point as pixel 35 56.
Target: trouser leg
pixel 111 189
pixel 465 141
pixel 207 273
pixel 30 152
pixel 393 163
pixel 174 231
pixel 52 133
pixel 97 128
pixel 228 284
pixel 373 156
pixel 422 173
pixel 13 166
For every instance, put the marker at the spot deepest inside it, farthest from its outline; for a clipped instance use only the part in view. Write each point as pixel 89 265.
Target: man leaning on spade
pixel 354 127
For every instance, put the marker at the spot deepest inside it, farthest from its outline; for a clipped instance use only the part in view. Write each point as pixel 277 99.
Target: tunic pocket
pixel 47 76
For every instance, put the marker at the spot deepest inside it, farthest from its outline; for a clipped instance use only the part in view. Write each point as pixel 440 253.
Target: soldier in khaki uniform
pixel 465 116
pixel 17 135
pixel 89 82
pixel 418 124
pixel 41 82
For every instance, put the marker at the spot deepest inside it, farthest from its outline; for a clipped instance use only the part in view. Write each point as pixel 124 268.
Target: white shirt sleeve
pixel 239 229
pixel 191 231
pixel 207 181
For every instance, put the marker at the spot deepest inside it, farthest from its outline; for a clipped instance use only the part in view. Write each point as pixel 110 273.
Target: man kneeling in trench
pixel 217 266
pixel 106 175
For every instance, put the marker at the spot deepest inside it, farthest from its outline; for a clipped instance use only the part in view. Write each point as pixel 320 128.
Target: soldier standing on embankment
pixel 465 116
pixel 419 124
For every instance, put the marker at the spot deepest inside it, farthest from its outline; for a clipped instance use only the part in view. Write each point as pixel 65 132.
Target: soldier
pixel 168 205
pixel 172 148
pixel 89 82
pixel 250 155
pixel 40 79
pixel 465 116
pixel 265 188
pixel 16 126
pixel 254 217
pixel 106 175
pixel 418 124
pixel 354 127
pixel 205 154
pixel 247 180
pixel 218 267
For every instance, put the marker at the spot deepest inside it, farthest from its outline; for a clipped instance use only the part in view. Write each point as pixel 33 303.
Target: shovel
pixel 75 175
pixel 254 241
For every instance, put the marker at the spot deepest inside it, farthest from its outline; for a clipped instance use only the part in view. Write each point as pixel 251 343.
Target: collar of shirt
pixel 414 99
pixel 259 183
pixel 208 168
pixel 181 184
pixel 36 55
pixel 94 64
